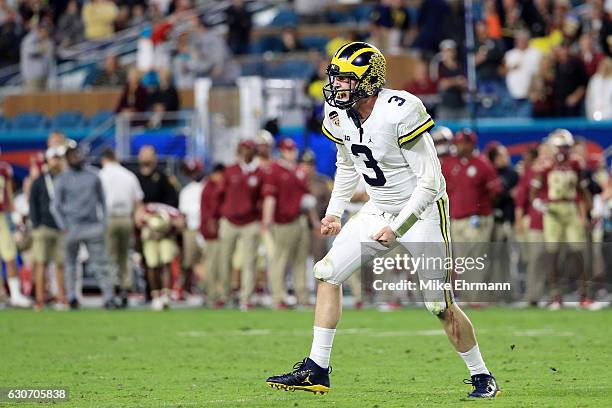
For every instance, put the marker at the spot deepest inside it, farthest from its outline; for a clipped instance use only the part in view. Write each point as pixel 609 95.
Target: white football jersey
pixel 377 148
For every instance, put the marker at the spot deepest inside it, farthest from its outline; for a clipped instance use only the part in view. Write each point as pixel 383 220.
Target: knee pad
pixel 436 308
pixel 324 270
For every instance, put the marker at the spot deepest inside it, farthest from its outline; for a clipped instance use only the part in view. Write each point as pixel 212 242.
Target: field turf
pixel 203 358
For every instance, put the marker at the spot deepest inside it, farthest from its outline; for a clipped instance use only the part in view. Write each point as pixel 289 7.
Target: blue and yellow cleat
pixel 307 376
pixel 484 385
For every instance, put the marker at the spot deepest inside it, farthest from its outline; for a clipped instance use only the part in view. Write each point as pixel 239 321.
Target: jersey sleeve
pixel 413 123
pixel 328 129
pixel 423 161
pixel 345 183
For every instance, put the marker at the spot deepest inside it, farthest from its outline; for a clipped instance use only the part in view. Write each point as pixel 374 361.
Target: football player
pixel 8 248
pixel 381 134
pixel 443 140
pixel 566 202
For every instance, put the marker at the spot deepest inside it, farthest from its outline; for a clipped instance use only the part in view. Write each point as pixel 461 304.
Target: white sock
pixel 474 361
pixel 322 341
pixel 14 286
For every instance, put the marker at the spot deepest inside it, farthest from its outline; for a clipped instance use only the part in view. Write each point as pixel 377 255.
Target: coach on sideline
pixel 79 210
pixel 123 197
pixel 287 199
pixel 240 219
pixel 472 184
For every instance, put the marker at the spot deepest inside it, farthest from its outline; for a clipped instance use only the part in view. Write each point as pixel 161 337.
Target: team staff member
pixel 79 209
pixel 503 217
pixel 265 146
pixel 189 204
pixel 210 211
pixel 240 219
pixel 48 245
pixel 123 197
pixel 472 185
pixel 529 217
pixel 155 184
pixel 8 249
pixel 286 195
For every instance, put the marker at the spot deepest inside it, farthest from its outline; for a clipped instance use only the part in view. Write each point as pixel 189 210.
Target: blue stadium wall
pixel 517 135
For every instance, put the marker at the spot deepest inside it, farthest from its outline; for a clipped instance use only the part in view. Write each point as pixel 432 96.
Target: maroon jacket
pixel 241 195
pixel 288 186
pixel 471 185
pixel 210 210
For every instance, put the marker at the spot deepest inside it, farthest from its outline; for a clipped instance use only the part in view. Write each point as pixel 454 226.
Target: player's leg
pixel 71 250
pixel 280 233
pixel 578 250
pixel 8 252
pixel 39 281
pixel 344 258
pixel 553 235
pixel 212 275
pixel 430 236
pixel 312 374
pixel 249 257
pixel 228 237
pixel 302 249
pixel 112 246
pixel 168 250
pixel 58 256
pixel 96 247
pixel 190 257
pixel 125 278
pixel 39 254
pixel 151 251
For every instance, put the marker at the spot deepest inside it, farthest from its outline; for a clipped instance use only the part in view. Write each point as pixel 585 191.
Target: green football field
pixel 203 358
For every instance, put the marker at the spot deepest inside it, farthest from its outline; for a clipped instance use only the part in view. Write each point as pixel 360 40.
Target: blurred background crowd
pixel 246 234
pixel 169 152
pixel 541 58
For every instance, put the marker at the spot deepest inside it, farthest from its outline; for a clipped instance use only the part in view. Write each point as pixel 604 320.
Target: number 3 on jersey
pixel 370 163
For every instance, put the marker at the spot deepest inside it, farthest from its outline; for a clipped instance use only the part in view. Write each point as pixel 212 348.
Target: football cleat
pixel 484 385
pixel 307 376
pixel 21 301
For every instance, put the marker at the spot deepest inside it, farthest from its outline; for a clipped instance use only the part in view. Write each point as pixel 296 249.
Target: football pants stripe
pixel 448 298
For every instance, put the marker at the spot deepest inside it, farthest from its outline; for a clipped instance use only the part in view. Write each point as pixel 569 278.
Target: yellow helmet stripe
pixel 341 49
pixel 346 65
pixel 361 51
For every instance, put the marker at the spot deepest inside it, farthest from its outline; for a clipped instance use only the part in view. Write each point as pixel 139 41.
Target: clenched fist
pixel 330 225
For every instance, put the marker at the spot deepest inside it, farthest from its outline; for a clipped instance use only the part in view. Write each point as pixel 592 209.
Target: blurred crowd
pixel 554 207
pixel 543 58
pixel 247 234
pixel 231 234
